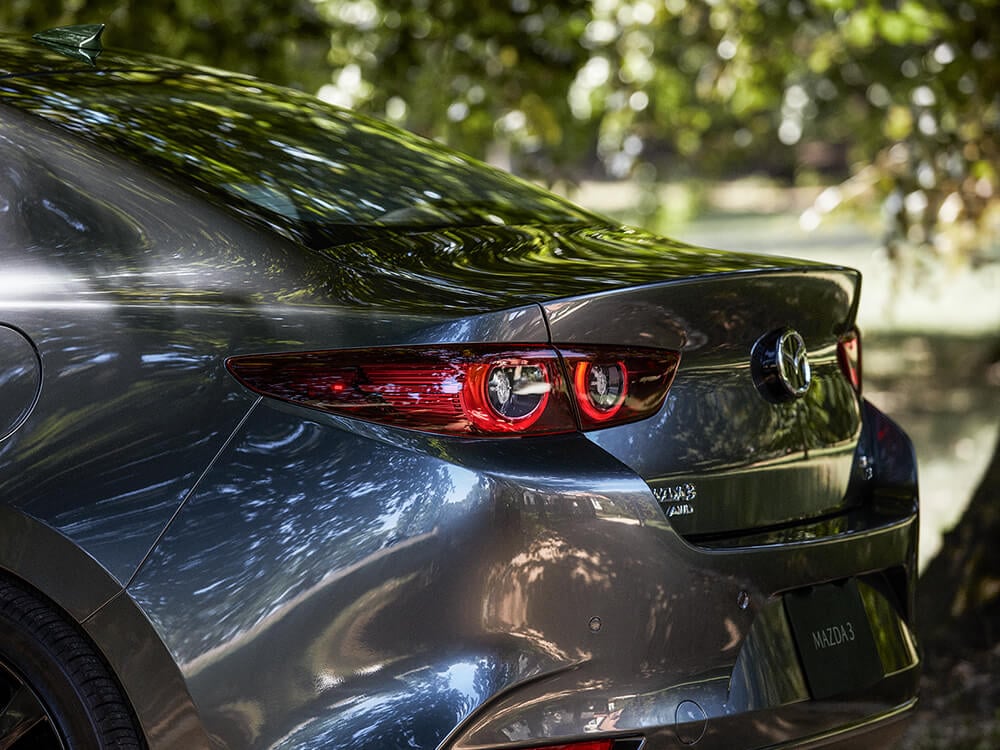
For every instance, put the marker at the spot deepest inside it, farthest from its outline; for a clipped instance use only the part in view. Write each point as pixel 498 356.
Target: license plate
pixel 834 638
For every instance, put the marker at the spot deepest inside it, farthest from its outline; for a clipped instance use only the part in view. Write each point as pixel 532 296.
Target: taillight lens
pixel 613 386
pixel 849 357
pixel 486 390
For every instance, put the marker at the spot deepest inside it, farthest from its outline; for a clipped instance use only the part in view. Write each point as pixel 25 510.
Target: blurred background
pixel 859 132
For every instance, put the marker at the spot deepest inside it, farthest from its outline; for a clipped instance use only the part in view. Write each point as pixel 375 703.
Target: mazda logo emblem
pixel 779 363
pixel 793 363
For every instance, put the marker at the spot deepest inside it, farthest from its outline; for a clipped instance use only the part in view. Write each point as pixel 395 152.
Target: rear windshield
pixel 305 168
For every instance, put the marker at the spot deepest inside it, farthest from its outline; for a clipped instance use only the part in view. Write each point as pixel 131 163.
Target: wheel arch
pixel 38 555
pixel 147 671
pixel 40 558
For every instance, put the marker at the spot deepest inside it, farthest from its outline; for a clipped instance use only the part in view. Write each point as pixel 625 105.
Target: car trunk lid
pixel 723 456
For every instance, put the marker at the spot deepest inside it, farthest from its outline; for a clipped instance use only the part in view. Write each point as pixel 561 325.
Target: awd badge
pixel 676 500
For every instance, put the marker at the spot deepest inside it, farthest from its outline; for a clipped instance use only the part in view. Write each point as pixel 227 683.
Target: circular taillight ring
pixel 507 395
pixel 600 388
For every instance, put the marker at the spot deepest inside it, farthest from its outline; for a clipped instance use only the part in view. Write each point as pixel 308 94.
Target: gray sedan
pixel 315 434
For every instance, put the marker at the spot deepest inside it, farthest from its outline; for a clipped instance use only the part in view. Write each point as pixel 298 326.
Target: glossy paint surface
pixel 374 559
pixel 262 575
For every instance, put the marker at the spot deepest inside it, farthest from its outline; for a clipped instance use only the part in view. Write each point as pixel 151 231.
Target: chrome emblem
pixel 677 500
pixel 780 367
pixel 793 363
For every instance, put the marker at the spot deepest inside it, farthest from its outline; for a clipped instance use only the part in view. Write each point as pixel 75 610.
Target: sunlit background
pixel 860 133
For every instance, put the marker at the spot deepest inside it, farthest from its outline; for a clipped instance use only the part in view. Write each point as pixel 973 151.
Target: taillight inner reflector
pixel 600 388
pixel 849 357
pixel 480 389
pixel 508 394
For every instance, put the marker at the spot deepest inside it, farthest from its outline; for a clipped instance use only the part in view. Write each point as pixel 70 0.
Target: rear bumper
pixel 882 731
pixel 713 662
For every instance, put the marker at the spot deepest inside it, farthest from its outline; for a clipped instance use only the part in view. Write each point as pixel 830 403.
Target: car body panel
pixel 370 630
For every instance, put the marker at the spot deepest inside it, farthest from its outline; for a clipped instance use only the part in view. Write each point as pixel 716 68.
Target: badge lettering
pixel 681 493
pixel 676 500
pixel 835 635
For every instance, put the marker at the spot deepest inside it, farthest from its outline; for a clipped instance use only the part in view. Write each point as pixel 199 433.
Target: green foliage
pixel 901 97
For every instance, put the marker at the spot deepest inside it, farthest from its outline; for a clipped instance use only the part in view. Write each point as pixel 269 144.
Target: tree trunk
pixel 959 605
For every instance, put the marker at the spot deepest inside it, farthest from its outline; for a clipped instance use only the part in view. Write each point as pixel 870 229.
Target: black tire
pixel 55 690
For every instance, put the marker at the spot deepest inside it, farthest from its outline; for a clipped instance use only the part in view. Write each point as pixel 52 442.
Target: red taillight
pixel 436 389
pixel 849 357
pixel 468 390
pixel 614 386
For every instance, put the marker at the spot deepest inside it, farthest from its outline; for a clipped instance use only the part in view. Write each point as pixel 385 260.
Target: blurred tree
pixel 902 97
pixel 900 100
